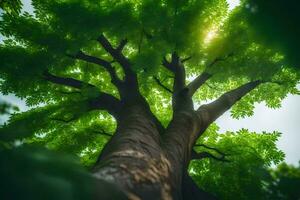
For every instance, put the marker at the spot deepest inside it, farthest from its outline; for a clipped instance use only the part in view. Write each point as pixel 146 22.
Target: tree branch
pixel 122 45
pixel 211 148
pixel 162 85
pixel 103 100
pixel 118 56
pixel 106 102
pixel 219 59
pixel 212 87
pixel 177 68
pixel 65 81
pixel 202 155
pixel 204 76
pixel 102 132
pixel 210 112
pixel 198 82
pixel 168 65
pixel 186 59
pixel 98 61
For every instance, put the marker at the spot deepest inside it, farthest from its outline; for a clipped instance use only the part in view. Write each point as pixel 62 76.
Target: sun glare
pixel 213 32
pixel 210 35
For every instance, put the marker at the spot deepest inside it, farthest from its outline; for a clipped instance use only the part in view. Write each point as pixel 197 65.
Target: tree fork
pixel 98 61
pixel 133 159
pixel 137 158
pixel 116 53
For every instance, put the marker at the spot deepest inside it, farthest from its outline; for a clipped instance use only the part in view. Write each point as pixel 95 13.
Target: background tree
pixel 277 25
pixel 119 83
pixel 285 182
pixel 11 6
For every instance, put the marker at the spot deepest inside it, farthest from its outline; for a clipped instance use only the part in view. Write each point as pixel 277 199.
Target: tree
pixel 276 23
pixel 119 82
pixel 11 6
pixel 285 182
pixel 244 172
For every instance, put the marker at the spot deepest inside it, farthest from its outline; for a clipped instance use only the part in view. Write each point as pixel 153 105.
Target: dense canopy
pixel 52 57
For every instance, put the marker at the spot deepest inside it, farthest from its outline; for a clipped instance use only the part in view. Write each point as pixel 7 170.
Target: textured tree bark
pixel 148 165
pixel 144 164
pixel 143 159
pixel 134 159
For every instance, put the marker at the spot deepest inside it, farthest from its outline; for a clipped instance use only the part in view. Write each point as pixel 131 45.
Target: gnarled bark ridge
pixel 143 159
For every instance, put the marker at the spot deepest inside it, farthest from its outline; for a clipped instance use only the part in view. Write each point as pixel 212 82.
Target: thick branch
pixel 103 101
pixel 181 100
pixel 98 61
pixel 168 65
pixel 106 102
pixel 198 82
pixel 118 56
pixel 210 112
pixel 162 85
pixel 202 78
pixel 65 81
pixel 177 68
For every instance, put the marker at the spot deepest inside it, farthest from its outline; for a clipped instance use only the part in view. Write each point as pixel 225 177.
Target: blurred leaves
pixel 30 172
pixel 11 6
pixel 277 25
pixel 285 182
pixel 7 108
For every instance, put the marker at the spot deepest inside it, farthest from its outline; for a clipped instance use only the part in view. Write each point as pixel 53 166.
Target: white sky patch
pixel 284 119
pixel 27 6
pixel 232 4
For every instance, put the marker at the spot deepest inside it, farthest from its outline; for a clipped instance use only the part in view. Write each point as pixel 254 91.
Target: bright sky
pixel 284 119
pixel 233 3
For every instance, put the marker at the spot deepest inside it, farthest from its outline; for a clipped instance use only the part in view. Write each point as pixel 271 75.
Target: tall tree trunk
pixel 141 162
pixel 143 159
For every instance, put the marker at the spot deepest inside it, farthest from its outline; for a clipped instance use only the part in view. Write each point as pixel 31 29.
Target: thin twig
pixel 162 85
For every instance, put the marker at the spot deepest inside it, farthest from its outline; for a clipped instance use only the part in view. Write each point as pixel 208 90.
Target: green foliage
pixel 7 108
pixel 30 172
pixel 154 29
pixel 24 169
pixel 67 129
pixel 285 182
pixel 246 173
pixel 11 6
pixel 277 25
pixel 204 30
